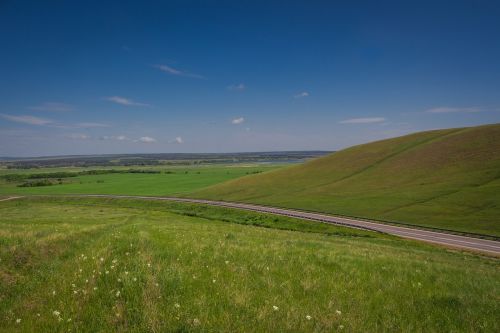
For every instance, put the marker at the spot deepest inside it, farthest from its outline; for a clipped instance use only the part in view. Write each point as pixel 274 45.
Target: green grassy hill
pixel 447 179
pixel 105 265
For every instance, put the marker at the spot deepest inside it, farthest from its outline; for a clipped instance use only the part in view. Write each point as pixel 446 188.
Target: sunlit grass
pixel 123 265
pixel 446 179
pixel 170 180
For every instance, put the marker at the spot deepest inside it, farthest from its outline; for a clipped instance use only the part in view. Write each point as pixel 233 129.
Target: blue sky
pixel 88 77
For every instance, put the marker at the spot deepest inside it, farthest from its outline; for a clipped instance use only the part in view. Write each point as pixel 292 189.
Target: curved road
pixel 450 240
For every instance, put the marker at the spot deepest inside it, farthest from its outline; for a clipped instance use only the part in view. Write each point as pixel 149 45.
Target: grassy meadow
pixel 114 265
pixel 446 179
pixel 169 180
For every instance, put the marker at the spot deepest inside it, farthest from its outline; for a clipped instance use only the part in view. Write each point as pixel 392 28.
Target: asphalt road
pixel 449 240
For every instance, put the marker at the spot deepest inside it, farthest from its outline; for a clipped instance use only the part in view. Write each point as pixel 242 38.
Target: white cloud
pixel 301 95
pixel 237 87
pixel 31 120
pixel 238 121
pixel 146 139
pixel 178 140
pixel 447 109
pixel 124 101
pixel 177 72
pixel 362 120
pixel 52 107
pixel 117 138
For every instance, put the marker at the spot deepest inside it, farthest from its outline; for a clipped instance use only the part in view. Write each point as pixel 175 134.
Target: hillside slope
pixel 447 179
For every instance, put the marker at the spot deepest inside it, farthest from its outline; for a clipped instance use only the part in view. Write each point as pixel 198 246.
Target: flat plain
pixel 167 180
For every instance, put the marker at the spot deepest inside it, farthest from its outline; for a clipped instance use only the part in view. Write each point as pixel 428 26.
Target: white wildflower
pixel 56 313
pixel 177 305
pixel 341 326
pixel 118 293
pixel 275 308
pixel 196 322
pixel 338 312
pixel 18 320
pixel 308 317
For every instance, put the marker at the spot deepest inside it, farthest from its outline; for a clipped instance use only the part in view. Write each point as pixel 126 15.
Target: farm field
pixel 446 179
pixel 168 181
pixel 113 265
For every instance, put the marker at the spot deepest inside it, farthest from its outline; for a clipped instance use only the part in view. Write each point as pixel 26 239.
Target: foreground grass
pixel 173 180
pixel 446 179
pixel 123 265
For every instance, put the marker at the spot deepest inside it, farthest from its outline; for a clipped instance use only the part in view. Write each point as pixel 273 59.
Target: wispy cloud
pixel 52 107
pixel 173 71
pixel 237 87
pixel 146 139
pixel 301 95
pixel 238 121
pixel 447 109
pixel 31 120
pixel 124 101
pixel 117 138
pixel 362 120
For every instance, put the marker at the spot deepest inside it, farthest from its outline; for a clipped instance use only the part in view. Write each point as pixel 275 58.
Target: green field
pixel 103 265
pixel 171 181
pixel 447 179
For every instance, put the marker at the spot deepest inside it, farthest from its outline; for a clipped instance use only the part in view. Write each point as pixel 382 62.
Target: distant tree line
pixel 18 177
